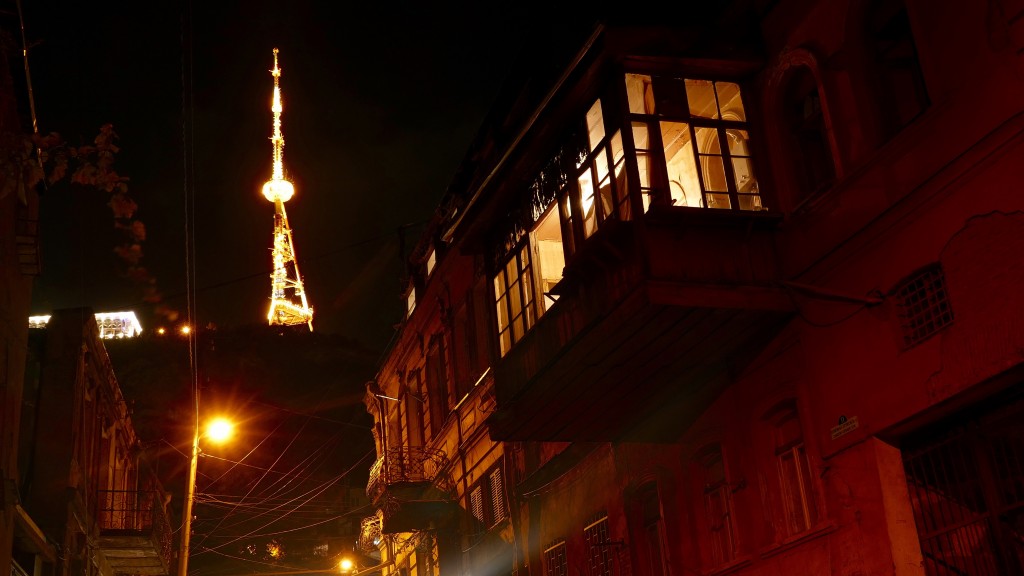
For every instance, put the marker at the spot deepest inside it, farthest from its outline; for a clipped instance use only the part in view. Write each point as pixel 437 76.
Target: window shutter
pixel 476 503
pixel 497 496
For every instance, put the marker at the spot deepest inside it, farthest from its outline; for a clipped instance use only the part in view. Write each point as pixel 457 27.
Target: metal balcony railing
pixel 408 465
pixel 370 533
pixel 137 511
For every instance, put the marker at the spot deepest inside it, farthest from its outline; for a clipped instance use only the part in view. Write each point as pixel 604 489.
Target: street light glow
pixel 345 565
pixel 219 430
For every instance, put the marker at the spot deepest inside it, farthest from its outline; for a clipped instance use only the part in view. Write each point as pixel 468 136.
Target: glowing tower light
pixel 288 305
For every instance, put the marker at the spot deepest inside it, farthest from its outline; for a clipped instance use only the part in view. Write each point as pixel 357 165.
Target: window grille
pixel 600 552
pixel 924 307
pixel 967 490
pixel 555 563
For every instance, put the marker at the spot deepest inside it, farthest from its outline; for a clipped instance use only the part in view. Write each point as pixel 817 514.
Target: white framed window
pixel 703 159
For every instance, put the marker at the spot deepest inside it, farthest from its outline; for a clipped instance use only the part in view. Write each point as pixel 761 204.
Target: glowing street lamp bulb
pixel 345 565
pixel 219 430
pixel 186 329
pixel 161 331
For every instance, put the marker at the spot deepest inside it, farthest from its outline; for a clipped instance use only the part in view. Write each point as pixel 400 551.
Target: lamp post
pixel 218 430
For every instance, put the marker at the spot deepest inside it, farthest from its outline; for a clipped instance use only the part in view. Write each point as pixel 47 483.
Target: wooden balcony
pixel 135 534
pixel 412 490
pixel 650 319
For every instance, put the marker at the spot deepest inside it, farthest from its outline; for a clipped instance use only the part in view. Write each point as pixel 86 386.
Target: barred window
pixel 600 553
pixel 923 303
pixel 555 563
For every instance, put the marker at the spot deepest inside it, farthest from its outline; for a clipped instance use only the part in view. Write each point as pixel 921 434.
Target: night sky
pixel 380 107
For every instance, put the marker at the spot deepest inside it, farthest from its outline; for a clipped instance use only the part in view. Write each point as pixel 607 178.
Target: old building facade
pixel 736 293
pixel 94 505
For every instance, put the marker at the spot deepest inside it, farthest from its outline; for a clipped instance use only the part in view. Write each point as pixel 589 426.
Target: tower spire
pixel 288 305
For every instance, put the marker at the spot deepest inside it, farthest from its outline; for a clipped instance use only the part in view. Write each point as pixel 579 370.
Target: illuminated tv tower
pixel 288 306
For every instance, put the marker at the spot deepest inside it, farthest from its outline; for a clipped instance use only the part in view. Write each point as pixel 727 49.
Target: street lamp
pixel 218 430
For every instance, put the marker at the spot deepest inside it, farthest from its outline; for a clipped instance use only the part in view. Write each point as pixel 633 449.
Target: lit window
pixel 704 160
pixel 410 302
pixel 549 258
pixel 533 270
pixel 513 287
pixel 431 261
pixel 600 190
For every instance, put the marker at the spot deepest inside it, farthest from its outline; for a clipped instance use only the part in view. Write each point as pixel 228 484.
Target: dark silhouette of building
pixel 735 292
pixel 19 265
pixel 85 488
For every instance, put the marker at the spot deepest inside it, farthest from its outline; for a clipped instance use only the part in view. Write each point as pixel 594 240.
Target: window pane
pixel 641 137
pixel 743 173
pixel 707 140
pixel 682 168
pixel 604 186
pixel 528 293
pixel 807 494
pixel 701 96
pixel 729 101
pixel 713 171
pixel 505 340
pixel 601 164
pixel 595 125
pixel 502 313
pixel 751 202
pixel 550 260
pixel 587 204
pixel 499 285
pixel 567 229
pixel 640 93
pixel 720 201
pixel 671 97
pixel 621 186
pixel 739 142
pixel 792 492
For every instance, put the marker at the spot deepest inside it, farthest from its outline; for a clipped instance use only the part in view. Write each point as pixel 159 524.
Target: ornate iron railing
pixel 406 464
pixel 137 511
pixel 370 533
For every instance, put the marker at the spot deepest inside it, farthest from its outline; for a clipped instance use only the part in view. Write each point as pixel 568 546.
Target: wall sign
pixel 845 426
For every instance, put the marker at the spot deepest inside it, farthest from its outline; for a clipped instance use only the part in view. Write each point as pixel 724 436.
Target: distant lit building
pixel 110 324
pixel 735 293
